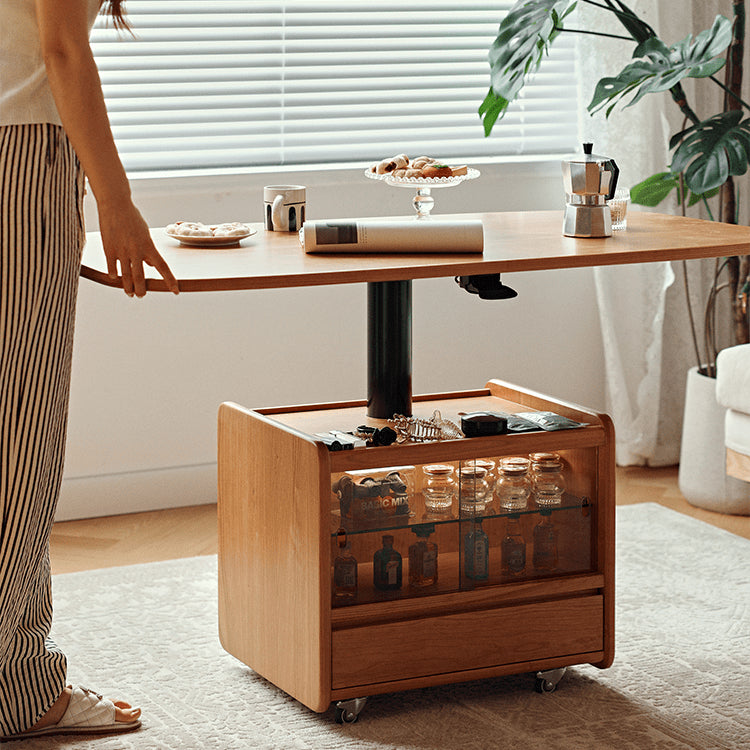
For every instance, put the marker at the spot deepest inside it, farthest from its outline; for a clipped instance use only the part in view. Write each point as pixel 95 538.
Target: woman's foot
pixel 124 712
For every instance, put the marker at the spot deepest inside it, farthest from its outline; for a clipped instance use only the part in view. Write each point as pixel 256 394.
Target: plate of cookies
pixel 423 170
pixel 197 234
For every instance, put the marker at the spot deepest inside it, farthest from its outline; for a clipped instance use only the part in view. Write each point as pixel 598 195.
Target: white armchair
pixel 733 393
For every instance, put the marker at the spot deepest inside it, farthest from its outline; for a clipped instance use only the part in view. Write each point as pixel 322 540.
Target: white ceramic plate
pixel 210 241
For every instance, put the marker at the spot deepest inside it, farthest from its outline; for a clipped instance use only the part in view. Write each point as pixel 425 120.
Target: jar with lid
pixel 513 483
pixel 439 487
pixel 548 482
pixel 473 488
pixel 489 465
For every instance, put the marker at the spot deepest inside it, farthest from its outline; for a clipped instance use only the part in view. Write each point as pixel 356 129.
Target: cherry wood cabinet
pixel 279 520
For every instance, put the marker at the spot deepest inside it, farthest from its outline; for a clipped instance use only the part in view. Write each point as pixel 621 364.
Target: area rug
pixel 681 677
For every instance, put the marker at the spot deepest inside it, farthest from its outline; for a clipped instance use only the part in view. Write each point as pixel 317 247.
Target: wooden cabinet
pixel 279 522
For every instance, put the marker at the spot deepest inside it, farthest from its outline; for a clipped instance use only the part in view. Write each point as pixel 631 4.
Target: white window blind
pixel 212 84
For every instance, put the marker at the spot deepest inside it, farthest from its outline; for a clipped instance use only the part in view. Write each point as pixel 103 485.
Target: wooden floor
pixel 187 532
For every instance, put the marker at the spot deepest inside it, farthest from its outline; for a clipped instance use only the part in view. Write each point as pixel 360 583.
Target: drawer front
pixel 468 640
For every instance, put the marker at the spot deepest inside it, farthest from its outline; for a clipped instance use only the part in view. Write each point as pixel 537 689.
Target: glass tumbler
pixel 618 207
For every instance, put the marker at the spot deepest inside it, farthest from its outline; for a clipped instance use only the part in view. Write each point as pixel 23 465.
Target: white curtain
pixel 644 321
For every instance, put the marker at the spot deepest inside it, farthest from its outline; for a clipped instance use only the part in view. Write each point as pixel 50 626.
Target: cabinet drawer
pixel 467 640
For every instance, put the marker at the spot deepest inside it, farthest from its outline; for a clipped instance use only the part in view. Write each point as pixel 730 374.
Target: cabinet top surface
pixel 513 241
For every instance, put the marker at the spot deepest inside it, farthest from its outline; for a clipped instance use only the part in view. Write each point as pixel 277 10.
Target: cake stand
pixel 423 200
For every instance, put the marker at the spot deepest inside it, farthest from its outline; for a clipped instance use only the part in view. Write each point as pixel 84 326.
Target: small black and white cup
pixel 284 207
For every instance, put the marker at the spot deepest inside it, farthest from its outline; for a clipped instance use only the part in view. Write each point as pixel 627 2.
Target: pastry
pixel 437 170
pixel 231 229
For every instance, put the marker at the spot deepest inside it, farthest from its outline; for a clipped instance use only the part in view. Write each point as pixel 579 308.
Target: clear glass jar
pixel 548 482
pixel 473 488
pixel 513 486
pixel 439 487
pixel 489 466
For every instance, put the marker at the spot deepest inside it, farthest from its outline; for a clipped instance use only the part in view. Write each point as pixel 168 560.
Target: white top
pixel 25 96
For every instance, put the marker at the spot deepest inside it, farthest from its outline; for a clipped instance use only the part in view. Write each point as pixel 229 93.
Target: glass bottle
pixel 344 570
pixel 513 548
pixel 545 542
pixel 423 558
pixel 513 484
pixel 472 489
pixel 438 488
pixel 387 566
pixel 477 553
pixel 548 482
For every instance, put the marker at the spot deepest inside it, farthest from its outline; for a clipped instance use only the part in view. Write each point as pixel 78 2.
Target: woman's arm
pixel 76 87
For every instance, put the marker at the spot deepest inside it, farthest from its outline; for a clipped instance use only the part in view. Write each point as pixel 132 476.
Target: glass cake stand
pixel 423 200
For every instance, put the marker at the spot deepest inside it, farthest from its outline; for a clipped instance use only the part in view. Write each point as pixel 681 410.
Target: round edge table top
pixel 513 241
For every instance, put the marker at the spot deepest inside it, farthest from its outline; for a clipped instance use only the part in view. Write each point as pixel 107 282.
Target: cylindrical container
pixel 547 480
pixel 473 488
pixel 284 207
pixel 439 487
pixel 513 486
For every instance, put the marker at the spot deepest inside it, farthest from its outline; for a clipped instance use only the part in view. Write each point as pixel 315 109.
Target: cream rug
pixel 681 677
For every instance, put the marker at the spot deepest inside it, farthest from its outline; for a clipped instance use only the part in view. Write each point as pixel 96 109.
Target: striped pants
pixel 41 237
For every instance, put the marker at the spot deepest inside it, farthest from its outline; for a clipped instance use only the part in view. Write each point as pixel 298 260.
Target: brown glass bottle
pixel 387 567
pixel 513 548
pixel 423 558
pixel 545 543
pixel 344 570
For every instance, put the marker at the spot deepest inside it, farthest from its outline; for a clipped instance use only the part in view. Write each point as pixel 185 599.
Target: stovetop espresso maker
pixel 589 181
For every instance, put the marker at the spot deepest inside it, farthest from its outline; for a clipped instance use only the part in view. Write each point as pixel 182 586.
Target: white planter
pixel 702 476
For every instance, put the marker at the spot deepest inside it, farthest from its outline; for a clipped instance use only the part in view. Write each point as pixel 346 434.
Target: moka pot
pixel 589 181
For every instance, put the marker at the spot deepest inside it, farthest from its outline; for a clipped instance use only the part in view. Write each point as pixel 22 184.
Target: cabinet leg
pixel 546 682
pixel 347 712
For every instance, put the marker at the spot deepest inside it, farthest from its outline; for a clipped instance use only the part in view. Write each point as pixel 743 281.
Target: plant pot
pixel 702 476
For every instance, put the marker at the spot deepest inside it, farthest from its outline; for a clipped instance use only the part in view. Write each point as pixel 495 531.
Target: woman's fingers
pixel 164 270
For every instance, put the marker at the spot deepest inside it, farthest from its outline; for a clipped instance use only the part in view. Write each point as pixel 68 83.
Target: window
pixel 237 83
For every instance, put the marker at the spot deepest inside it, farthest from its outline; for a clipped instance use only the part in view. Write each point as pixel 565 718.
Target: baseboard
pixel 133 492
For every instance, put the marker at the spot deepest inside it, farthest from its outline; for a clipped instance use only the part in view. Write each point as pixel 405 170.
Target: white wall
pixel 149 374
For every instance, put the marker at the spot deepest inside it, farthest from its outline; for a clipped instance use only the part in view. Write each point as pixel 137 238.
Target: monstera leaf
pixel 664 67
pixel 653 190
pixel 523 39
pixel 709 152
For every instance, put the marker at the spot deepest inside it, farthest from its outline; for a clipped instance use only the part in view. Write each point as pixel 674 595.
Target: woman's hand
pixel 127 242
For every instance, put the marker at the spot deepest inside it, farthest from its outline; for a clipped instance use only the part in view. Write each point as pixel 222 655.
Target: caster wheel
pixel 544 686
pixel 345 717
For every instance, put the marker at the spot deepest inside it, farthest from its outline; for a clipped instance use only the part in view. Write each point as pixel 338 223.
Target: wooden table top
pixel 517 241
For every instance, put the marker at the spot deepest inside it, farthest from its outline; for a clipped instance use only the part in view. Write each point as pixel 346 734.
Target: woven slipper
pixel 87 713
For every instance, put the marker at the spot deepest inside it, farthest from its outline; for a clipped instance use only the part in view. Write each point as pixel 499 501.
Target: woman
pixel 53 129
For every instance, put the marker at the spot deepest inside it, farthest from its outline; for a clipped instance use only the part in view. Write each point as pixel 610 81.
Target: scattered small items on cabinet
pixel 387 566
pixel 423 558
pixel 419 430
pixel 481 423
pixel 374 436
pixel 344 570
pixel 545 542
pixel 550 421
pixel 477 553
pixel 513 548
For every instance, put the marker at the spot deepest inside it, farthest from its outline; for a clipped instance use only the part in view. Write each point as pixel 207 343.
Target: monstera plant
pixel 707 153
